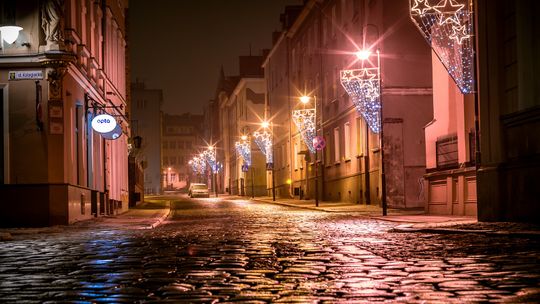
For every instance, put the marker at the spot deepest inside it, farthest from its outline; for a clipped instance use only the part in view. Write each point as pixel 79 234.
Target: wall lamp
pixel 10 33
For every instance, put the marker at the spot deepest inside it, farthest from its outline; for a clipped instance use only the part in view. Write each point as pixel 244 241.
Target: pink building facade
pixel 67 65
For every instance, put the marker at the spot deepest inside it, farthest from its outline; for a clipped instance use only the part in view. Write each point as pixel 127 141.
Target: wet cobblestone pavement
pixel 235 251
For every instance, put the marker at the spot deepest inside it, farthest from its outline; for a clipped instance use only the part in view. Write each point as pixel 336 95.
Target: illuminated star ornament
pixel 305 122
pixel 447 26
pixel 198 165
pixel 264 142
pixel 210 157
pixel 244 149
pixel 363 86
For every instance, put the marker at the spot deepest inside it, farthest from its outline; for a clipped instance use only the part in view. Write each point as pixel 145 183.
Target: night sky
pixel 180 45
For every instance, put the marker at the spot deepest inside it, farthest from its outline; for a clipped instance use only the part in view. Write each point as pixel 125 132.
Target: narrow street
pixel 214 250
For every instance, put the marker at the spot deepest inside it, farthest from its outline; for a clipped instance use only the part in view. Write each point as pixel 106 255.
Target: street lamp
pixel 305 99
pixel 306 121
pixel 365 88
pixel 210 156
pixel 264 141
pixel 243 148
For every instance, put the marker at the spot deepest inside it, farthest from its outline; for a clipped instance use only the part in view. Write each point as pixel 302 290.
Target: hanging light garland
pixel 363 86
pixel 198 165
pixel 447 26
pixel 210 157
pixel 264 142
pixel 244 149
pixel 305 122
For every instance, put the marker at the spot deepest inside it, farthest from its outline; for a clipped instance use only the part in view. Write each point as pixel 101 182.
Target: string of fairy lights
pixel 198 164
pixel 447 25
pixel 363 86
pixel 243 148
pixel 264 142
pixel 304 120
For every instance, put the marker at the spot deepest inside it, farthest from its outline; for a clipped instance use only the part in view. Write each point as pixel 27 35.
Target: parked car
pixel 198 190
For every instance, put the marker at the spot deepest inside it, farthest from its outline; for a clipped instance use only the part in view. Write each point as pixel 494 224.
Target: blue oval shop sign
pixel 103 123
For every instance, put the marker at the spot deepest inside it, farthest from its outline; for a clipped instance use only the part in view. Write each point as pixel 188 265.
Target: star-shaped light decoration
pixel 448 29
pixel 421 7
pixel 244 149
pixel 448 10
pixel 210 157
pixel 264 142
pixel 305 122
pixel 363 87
pixel 459 33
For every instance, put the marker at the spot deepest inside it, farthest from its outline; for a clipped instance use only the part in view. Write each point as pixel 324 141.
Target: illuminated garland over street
pixel 264 142
pixel 447 25
pixel 363 86
pixel 244 149
pixel 305 121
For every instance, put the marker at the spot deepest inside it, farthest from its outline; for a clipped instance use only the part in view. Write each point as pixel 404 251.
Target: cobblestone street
pixel 213 250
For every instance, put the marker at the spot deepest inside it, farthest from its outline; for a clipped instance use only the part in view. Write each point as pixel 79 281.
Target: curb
pixel 526 234
pixel 161 219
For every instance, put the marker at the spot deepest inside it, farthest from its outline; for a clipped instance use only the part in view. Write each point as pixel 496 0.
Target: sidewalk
pixel 413 216
pixel 145 216
pixel 414 220
pixel 148 215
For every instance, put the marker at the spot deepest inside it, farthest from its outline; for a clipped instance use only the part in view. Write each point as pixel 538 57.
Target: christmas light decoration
pixel 244 149
pixel 210 157
pixel 264 142
pixel 363 86
pixel 198 165
pixel 447 26
pixel 305 122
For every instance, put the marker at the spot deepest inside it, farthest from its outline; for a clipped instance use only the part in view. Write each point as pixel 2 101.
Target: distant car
pixel 198 190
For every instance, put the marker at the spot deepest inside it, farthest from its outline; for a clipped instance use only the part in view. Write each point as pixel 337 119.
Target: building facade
pixel 66 66
pixel 307 60
pixel 509 110
pixel 146 123
pixel 242 110
pixel 182 136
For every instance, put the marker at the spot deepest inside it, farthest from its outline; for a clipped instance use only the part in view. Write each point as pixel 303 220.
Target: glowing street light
pixel 264 141
pixel 364 87
pixel 363 54
pixel 306 121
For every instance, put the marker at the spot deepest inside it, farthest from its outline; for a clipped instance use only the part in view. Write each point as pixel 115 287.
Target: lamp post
pixel 265 142
pixel 305 99
pixel 243 148
pixel 364 55
pixel 210 155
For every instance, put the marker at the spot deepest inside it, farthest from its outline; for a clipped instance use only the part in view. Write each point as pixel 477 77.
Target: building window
pixel 165 161
pixel 188 145
pixel 180 145
pixel 347 140
pixel 296 156
pixel 173 177
pixel 172 145
pixel 173 160
pixel 165 145
pixel 360 135
pixel 447 151
pixel 337 152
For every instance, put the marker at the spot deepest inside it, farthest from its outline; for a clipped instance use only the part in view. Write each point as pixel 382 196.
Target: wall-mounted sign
pixel 114 134
pixel 103 123
pixel 22 75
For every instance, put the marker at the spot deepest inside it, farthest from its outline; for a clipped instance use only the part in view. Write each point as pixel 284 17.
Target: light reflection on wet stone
pixel 253 253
